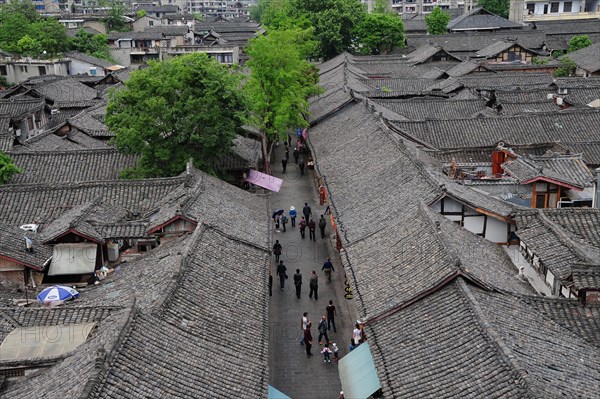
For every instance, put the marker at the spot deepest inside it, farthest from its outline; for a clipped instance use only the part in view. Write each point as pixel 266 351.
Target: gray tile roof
pixel 12 245
pixel 558 248
pixel 70 166
pixel 568 27
pixel 168 30
pixel 425 52
pixel 528 107
pixel 504 80
pixel 517 130
pixel 43 202
pixel 582 95
pixel 566 169
pixel 468 43
pixel 464 68
pixel 577 82
pixel 418 109
pixel 76 55
pixel 587 58
pixel 65 89
pixel 494 49
pixel 465 342
pixel 481 19
pixel 146 35
pixel 48 141
pixel 16 107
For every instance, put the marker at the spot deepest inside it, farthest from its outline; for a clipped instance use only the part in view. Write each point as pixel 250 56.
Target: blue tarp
pixel 358 374
pixel 275 394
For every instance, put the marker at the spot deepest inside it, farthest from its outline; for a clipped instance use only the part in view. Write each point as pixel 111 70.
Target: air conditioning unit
pixel 18 132
pixel 54 111
pixel 549 96
pixel 559 101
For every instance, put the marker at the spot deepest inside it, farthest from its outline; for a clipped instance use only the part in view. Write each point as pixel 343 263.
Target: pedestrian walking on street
pixel 326 354
pixel 277 250
pixel 298 282
pixel 308 339
pixel 335 350
pixel 289 139
pixel 356 334
pixel 284 164
pixel 281 271
pixel 312 226
pixel 293 213
pixel 352 345
pixel 328 268
pixel 322 225
pixel 322 327
pixel 287 153
pixel 296 154
pixel 314 285
pixel 306 211
pixel 302 226
pixel 303 323
pixel 301 166
pixel 331 313
pixel 283 221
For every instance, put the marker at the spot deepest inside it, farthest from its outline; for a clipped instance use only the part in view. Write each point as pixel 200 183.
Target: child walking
pixel 326 354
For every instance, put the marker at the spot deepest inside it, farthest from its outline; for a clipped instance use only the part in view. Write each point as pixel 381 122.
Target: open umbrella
pixel 57 293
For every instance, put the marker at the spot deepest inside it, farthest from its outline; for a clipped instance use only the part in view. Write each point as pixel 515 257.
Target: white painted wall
pixel 496 230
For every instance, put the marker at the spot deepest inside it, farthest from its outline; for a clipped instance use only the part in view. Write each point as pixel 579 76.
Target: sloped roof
pixel 563 169
pixel 16 107
pixel 145 35
pixel 417 109
pixel 66 89
pixel 168 30
pixel 480 19
pixel 572 127
pixel 587 58
pixel 464 68
pixel 12 245
pixel 89 59
pixel 462 341
pixel 70 166
pixel 558 248
pixel 424 52
pixel 48 141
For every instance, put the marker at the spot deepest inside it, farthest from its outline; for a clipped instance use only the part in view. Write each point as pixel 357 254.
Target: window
pixel 42 70
pixel 545 195
pixel 150 23
pixel 567 6
pixel 23 68
pixel 93 71
pixel 553 7
pixel 530 8
pixel 3 70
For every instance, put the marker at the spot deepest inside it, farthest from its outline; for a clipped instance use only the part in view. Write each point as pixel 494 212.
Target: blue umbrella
pixel 57 293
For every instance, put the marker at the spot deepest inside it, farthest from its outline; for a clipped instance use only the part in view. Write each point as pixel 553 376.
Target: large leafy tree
pixel 88 43
pixel 334 22
pixel 18 20
pixel 579 42
pixel 280 83
pixel 7 168
pixel 188 107
pixel 498 7
pixel 437 22
pixel 378 33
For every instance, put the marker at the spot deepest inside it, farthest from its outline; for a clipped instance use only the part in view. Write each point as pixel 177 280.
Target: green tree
pixel 381 6
pixel 579 42
pixel 437 22
pixel 188 107
pixel 115 20
pixel 334 22
pixel 51 34
pixel 280 83
pixel 567 67
pixel 140 14
pixel 29 47
pixel 88 43
pixel 7 168
pixel 379 33
pixel 498 7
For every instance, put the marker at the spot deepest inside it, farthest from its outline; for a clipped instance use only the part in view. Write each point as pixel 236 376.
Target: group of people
pixel 296 153
pixel 281 219
pixel 325 324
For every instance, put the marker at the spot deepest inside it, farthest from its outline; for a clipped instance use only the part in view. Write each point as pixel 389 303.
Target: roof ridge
pixel 130 182
pixel 504 353
pixel 562 236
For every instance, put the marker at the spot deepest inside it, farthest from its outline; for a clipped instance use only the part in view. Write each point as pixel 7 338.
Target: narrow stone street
pixel 291 371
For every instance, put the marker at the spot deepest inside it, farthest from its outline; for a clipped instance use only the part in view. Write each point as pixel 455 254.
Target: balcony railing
pixel 561 16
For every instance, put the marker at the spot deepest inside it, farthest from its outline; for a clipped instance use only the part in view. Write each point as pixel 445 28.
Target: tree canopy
pixel 498 7
pixel 89 43
pixel 378 33
pixel 281 81
pixel 19 20
pixel 7 168
pixel 437 22
pixel 188 107
pixel 579 42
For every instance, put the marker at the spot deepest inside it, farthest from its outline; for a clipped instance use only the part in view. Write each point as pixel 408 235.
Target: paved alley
pixel 291 371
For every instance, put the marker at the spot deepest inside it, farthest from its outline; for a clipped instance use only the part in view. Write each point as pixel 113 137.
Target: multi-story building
pixel 547 10
pixel 426 6
pixel 220 8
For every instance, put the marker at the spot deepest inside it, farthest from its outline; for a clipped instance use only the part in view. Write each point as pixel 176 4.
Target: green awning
pixel 358 374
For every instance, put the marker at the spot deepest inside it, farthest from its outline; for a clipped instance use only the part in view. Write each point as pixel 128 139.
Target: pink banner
pixel 263 180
